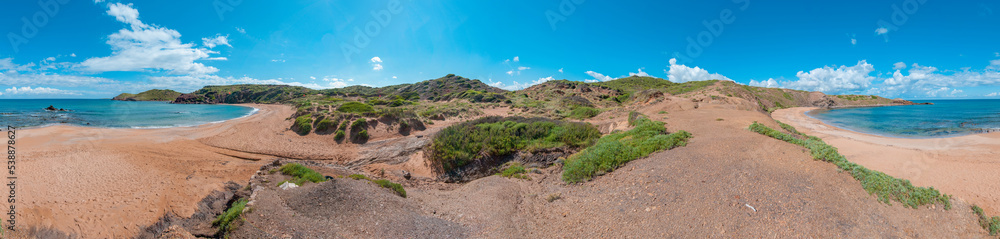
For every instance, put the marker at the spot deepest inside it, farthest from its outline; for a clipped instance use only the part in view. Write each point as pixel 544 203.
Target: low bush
pixel 514 170
pixel 584 112
pixel 359 124
pixel 886 187
pixel 325 125
pixel 398 188
pixel 614 150
pixel 339 135
pixel 991 224
pixel 303 124
pixel 496 136
pixel 355 107
pixel 362 136
pixel 301 173
pixel 225 220
pixel 343 125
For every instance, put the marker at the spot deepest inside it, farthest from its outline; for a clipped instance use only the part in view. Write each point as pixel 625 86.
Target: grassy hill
pixel 149 95
pixel 235 94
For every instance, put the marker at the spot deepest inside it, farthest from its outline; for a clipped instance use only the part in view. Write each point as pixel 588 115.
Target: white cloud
pixel 899 66
pixel 521 68
pixel 141 47
pixel 376 63
pixel 394 77
pixel 517 59
pixel 834 79
pixel 218 40
pixel 51 58
pixel 510 72
pixel 72 55
pixel 682 73
pixel 769 83
pixel 241 30
pixel 922 81
pixel 191 83
pixel 560 70
pixel 278 60
pixel 312 77
pixel 881 30
pixel 518 86
pixel 994 94
pixel 27 90
pixel 854 41
pixel 641 73
pixel 598 77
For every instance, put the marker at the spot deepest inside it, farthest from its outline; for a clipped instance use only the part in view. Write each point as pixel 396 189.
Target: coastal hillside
pixel 236 94
pixel 149 95
pixel 441 89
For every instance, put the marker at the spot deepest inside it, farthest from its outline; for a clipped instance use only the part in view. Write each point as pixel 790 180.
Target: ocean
pixel 114 114
pixel 946 118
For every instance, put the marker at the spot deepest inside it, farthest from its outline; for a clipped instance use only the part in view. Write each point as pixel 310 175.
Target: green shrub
pixel 391 185
pixel 325 125
pixel 301 173
pixel 343 125
pixel 355 107
pixel 303 124
pixel 614 150
pixel 359 123
pixel 584 112
pixel 991 224
pixel 362 136
pixel 514 170
pixel 339 135
pixel 224 221
pixel 460 144
pixel 358 177
pixel 886 187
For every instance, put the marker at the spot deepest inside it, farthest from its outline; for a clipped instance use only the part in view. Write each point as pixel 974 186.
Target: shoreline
pixel 86 181
pixel 812 109
pixel 963 166
pixel 254 111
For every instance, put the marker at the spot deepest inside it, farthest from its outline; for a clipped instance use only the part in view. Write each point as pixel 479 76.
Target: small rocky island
pixel 53 108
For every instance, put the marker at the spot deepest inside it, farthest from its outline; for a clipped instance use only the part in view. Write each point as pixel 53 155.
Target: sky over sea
pixel 914 49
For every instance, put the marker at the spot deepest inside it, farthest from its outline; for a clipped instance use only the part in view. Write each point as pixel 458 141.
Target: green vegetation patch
pixel 514 170
pixel 495 136
pixel 325 124
pixel 614 150
pixel 224 221
pixel 991 224
pixel 874 182
pixel 303 124
pixel 398 188
pixel 301 173
pixel 583 112
pixel 150 95
pixel 355 107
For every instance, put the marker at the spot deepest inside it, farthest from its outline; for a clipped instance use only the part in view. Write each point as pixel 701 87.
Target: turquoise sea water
pixel 114 114
pixel 945 118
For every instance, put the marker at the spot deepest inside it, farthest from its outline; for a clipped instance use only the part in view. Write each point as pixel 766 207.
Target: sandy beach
pixel 964 166
pixel 109 183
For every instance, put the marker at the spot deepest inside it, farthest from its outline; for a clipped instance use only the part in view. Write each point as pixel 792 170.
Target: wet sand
pixel 967 167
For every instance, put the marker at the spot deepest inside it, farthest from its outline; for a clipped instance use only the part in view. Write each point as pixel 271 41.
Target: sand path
pixel 967 167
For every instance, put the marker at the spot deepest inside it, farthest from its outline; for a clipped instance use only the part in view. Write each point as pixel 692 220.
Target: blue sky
pixel 915 49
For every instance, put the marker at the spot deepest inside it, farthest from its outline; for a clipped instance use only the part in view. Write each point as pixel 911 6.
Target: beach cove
pixel 963 166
